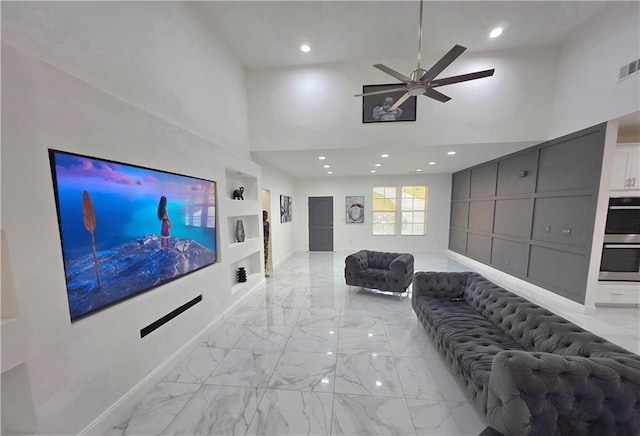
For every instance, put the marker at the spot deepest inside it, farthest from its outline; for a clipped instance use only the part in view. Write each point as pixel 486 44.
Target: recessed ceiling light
pixel 372 171
pixel 418 170
pixel 384 155
pixel 495 32
pixel 432 163
pixel 377 165
pixel 327 166
pixel 305 48
pixel 378 383
pixel 451 153
pixel 321 158
pixel 330 172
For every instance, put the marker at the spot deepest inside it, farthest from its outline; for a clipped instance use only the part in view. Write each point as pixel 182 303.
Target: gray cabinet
pixel 458 240
pixel 509 255
pixel 459 214
pixel 563 220
pixel 481 215
pixel 532 213
pixel 566 272
pixel 460 185
pixel 513 218
pixel 517 174
pixel 483 180
pixel 479 247
pixel 571 164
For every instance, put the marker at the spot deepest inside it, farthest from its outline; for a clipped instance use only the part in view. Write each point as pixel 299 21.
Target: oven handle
pixel 624 207
pixel 621 245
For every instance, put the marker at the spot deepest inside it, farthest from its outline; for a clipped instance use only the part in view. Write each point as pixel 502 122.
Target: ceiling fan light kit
pixel 421 81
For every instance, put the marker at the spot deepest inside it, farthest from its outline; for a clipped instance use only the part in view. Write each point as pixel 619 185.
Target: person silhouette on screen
pixel 385 113
pixel 163 216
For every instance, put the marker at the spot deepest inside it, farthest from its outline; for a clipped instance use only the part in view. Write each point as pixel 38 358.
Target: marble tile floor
pixel 308 355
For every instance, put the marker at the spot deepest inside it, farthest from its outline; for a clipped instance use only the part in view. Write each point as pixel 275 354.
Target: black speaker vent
pixel 169 316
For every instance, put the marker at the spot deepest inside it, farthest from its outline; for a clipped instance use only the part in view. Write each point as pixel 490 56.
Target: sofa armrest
pixel 439 284
pixel 534 393
pixel 357 262
pixel 401 272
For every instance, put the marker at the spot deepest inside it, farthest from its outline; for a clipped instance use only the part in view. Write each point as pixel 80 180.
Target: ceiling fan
pixel 423 82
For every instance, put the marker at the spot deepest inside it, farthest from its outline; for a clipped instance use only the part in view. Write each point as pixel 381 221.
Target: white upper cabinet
pixel 626 168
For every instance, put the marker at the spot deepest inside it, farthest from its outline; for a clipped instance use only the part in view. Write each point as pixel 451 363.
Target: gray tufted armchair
pixel 379 270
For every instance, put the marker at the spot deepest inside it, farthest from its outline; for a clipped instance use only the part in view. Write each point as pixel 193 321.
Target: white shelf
pixel 242 207
pixel 235 179
pixel 253 280
pixel 238 250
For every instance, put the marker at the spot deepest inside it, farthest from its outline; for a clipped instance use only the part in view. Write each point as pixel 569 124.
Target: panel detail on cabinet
pixel 563 220
pixel 571 164
pixel 481 216
pixel 459 214
pixel 513 218
pixel 458 240
pixel 460 185
pixel 567 272
pixel 479 247
pixel 509 255
pixel 517 174
pixel 483 180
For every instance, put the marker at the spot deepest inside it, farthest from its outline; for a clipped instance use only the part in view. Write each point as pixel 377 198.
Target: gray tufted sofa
pixel 378 270
pixel 530 372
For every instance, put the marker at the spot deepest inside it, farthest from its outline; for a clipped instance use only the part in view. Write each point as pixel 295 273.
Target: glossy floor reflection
pixel 308 355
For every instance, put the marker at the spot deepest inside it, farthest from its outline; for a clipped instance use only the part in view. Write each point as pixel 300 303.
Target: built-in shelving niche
pixel 235 179
pixel 250 224
pixel 253 265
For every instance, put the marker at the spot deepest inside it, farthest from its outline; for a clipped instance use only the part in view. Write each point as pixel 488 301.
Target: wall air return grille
pixel 629 69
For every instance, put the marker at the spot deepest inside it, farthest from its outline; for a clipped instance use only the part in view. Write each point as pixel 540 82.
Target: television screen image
pixel 127 229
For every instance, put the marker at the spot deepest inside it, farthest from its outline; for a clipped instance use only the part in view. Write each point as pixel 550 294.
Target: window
pixel 414 207
pixel 411 215
pixel 384 210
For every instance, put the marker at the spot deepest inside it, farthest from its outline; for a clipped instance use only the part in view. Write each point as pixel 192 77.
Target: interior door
pixel 320 223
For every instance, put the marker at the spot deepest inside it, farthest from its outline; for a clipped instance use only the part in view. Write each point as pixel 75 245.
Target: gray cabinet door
pixel 479 247
pixel 563 220
pixel 513 218
pixel 510 256
pixel 459 214
pixel 458 241
pixel 460 185
pixel 571 164
pixel 483 180
pixel 320 223
pixel 567 272
pixel 481 215
pixel 517 174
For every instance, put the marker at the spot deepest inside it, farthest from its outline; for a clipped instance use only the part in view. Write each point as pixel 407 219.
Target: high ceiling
pixel 269 34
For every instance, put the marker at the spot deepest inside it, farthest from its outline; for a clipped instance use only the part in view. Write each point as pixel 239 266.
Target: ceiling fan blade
pixel 443 63
pixel 462 78
pixel 437 95
pixel 400 101
pixel 392 72
pixel 386 91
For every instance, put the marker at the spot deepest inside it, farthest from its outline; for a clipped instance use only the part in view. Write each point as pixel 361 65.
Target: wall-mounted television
pixel 127 229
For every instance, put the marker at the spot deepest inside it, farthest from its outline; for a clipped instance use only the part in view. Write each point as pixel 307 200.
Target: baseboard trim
pixel 541 296
pixel 129 400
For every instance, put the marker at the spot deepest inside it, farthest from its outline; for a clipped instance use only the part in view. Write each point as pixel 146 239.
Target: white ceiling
pixel 269 34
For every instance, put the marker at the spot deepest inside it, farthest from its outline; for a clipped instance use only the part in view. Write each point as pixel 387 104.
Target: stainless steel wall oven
pixel 621 250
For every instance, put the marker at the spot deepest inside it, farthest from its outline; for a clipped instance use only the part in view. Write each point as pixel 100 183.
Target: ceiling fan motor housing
pixel 416 75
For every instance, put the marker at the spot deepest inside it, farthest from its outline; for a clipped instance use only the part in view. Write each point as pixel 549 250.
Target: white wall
pixel 162 63
pixel 355 237
pixel 314 107
pixel 587 91
pixel 160 56
pixel 282 235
